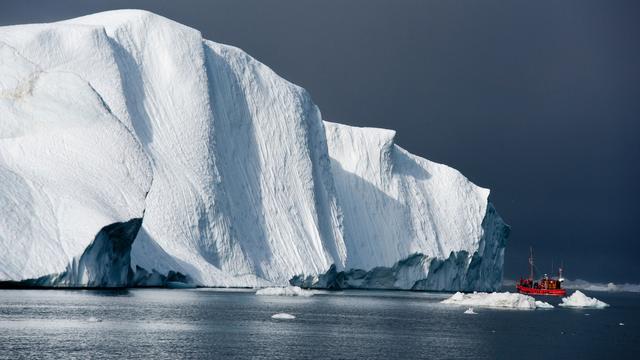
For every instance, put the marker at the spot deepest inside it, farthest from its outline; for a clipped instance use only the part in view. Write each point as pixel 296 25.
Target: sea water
pixel 209 323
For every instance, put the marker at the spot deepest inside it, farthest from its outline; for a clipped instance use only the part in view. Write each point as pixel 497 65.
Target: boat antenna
pixel 560 278
pixel 531 263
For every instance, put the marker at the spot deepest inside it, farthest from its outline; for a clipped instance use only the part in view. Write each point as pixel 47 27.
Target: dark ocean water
pixel 205 323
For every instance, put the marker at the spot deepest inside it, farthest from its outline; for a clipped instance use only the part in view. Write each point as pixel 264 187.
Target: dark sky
pixel 537 100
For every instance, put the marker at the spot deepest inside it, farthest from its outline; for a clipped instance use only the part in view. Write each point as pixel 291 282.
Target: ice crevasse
pixel 133 152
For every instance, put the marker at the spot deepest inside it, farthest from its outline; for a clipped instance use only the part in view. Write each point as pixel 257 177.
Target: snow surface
pixel 283 316
pixel 125 114
pixel 284 291
pixel 497 300
pixel 580 300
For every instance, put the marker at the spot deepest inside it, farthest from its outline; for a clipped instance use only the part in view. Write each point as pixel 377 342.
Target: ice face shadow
pixel 374 222
pixel 403 164
pixel 147 254
pixel 238 162
pixel 134 94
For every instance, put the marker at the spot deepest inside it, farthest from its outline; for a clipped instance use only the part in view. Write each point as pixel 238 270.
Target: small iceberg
pixel 94 319
pixel 284 291
pixel 543 305
pixel 470 311
pixel 504 300
pixel 580 300
pixel 283 316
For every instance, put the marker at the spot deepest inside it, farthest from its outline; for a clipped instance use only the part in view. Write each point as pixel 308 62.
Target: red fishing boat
pixel 545 286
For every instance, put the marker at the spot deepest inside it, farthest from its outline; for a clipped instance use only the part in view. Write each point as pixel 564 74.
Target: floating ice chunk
pixel 284 291
pixel 94 319
pixel 543 305
pixel 470 311
pixel 283 316
pixel 497 300
pixel 580 300
pixel 621 324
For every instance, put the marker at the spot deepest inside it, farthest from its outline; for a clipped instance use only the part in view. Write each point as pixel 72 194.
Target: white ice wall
pixel 244 183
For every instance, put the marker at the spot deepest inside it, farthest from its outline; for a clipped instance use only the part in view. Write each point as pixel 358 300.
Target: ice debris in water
pixel 283 316
pixel 497 300
pixel 94 319
pixel 543 305
pixel 284 291
pixel 580 300
pixel 470 311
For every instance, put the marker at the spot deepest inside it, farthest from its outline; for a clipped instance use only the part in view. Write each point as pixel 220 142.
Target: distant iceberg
pixel 580 300
pixel 595 286
pixel 505 300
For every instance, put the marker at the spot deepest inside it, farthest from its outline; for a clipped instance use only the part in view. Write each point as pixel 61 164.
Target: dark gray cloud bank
pixel 537 100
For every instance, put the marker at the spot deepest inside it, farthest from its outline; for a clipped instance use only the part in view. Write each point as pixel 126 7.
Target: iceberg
pixel 505 300
pixel 283 316
pixel 601 287
pixel 284 291
pixel 470 311
pixel 543 305
pixel 580 300
pixel 133 152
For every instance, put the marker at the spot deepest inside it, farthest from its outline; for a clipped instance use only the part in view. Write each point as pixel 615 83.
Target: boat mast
pixel 531 263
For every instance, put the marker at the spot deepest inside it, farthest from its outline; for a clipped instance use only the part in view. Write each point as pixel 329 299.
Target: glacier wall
pixel 118 114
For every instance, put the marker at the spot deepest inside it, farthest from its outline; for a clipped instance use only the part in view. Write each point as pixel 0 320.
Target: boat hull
pixel 548 292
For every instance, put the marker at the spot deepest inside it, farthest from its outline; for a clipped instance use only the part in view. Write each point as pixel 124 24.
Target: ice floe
pixel 283 316
pixel 505 300
pixel 580 300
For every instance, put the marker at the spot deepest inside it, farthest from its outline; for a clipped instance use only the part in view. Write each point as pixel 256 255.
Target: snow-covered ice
pixel 580 300
pixel 284 291
pixel 283 316
pixel 497 300
pixel 125 120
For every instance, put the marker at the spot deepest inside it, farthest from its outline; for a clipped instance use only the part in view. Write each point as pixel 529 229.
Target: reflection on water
pixel 205 323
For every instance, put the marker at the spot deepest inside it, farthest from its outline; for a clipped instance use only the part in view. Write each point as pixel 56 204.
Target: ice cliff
pixel 133 152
